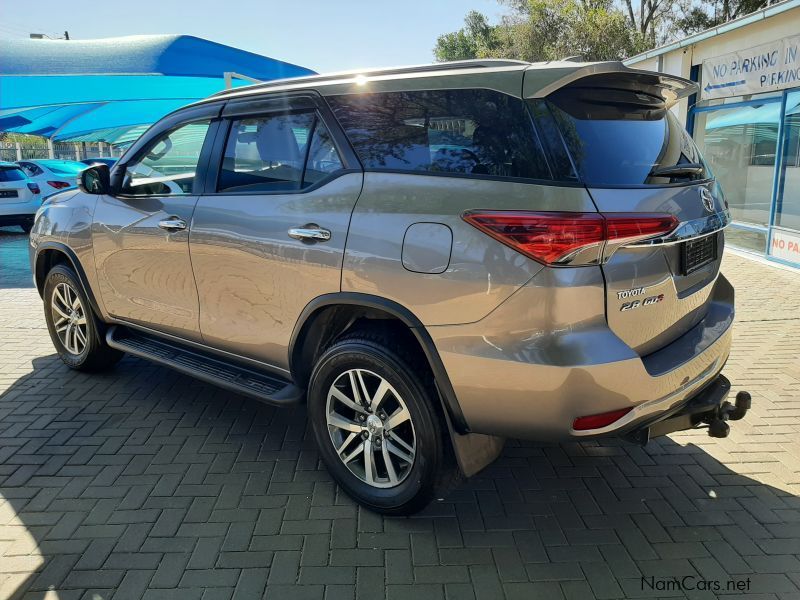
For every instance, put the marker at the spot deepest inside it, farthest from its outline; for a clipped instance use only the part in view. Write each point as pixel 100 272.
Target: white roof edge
pixel 434 69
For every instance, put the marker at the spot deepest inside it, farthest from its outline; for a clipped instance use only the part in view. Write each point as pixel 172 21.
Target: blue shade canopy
pixel 103 90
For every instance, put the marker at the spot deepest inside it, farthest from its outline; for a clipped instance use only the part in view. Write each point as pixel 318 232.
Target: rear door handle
pixel 172 224
pixel 310 232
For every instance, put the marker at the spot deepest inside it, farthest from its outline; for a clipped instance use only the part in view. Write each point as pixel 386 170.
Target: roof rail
pixel 442 66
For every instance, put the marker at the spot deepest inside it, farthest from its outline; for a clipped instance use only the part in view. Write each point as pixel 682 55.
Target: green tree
pixel 473 40
pixel 649 18
pixel 536 30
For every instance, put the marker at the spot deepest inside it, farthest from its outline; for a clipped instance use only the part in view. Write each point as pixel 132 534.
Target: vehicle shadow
pixel 15 271
pixel 140 478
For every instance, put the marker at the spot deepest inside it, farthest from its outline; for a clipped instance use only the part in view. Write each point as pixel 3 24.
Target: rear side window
pixel 472 132
pixel 31 170
pixel 11 174
pixel 624 137
pixel 276 153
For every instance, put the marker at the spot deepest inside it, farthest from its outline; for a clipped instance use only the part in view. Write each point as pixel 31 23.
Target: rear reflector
pixel 598 421
pixel 562 238
pixel 34 187
pixel 59 185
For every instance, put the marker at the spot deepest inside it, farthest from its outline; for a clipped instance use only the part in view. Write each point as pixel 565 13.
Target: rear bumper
pixel 17 218
pixel 23 208
pixel 658 408
pixel 533 382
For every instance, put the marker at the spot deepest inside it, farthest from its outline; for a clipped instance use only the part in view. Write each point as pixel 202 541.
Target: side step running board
pixel 205 366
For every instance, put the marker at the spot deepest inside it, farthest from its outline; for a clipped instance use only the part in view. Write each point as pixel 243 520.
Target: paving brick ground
pixel 142 483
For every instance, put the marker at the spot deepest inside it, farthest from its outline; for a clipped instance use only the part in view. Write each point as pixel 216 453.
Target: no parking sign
pixel 771 66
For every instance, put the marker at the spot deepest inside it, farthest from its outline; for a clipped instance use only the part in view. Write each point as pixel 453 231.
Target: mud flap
pixel 474 451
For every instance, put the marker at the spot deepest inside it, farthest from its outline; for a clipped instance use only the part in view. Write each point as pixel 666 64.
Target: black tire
pixel 95 354
pixel 26 226
pixel 434 471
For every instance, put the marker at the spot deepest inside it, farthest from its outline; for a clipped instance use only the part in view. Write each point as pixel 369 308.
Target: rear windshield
pixel 11 174
pixel 623 137
pixel 472 132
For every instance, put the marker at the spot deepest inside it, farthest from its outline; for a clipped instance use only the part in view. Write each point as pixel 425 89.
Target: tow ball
pixel 718 420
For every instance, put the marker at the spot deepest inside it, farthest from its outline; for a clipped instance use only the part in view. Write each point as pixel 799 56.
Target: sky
pixel 324 36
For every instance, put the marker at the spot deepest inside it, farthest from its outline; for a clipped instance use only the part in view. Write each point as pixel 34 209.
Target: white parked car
pixel 52 175
pixel 20 197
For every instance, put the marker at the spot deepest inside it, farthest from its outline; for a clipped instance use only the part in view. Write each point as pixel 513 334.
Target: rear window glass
pixel 472 132
pixel 622 137
pixel 11 174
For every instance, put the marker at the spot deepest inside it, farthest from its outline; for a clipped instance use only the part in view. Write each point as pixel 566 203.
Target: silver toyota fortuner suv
pixel 433 258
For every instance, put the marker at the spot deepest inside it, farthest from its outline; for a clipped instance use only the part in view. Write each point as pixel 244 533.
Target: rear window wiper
pixel 683 170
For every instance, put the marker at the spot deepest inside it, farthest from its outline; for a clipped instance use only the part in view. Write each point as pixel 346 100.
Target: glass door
pixel 740 144
pixel 785 235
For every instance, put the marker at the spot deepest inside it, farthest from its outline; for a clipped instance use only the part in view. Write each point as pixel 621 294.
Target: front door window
pixel 169 167
pixel 276 153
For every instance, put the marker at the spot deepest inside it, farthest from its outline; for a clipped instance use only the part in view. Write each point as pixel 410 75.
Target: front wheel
pixel 73 327
pixel 378 426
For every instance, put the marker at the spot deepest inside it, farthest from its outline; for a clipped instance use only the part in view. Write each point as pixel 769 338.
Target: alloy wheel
pixel 370 427
pixel 69 318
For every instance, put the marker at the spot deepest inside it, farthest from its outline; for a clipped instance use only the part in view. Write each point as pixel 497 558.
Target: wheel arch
pixel 50 254
pixel 329 315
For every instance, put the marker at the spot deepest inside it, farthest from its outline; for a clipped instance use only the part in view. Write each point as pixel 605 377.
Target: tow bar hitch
pixel 708 409
pixel 718 420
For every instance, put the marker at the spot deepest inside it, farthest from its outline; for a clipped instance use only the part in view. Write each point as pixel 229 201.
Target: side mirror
pixel 95 180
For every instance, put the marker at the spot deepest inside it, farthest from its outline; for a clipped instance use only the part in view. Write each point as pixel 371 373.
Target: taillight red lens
pixel 546 237
pixel 558 237
pixel 598 421
pixel 59 185
pixel 638 226
pixel 34 187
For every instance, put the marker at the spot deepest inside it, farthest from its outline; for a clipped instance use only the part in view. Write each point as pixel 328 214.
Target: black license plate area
pixel 696 254
pixel 8 193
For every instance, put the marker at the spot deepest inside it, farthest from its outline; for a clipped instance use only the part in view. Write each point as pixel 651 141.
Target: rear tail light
pixel 560 238
pixel 546 237
pixel 34 187
pixel 636 227
pixel 59 185
pixel 598 421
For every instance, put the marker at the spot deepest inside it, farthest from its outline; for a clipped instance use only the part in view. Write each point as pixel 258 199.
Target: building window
pixel 787 211
pixel 740 145
pixel 746 239
pixel 763 143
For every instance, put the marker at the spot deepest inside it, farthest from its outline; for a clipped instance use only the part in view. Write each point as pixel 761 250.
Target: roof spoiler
pixel 542 79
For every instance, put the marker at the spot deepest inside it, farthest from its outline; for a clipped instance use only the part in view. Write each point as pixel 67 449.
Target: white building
pixel 746 120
